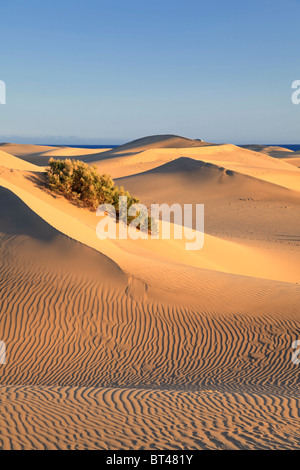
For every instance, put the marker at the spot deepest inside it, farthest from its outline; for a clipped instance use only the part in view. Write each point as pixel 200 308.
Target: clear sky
pixel 95 71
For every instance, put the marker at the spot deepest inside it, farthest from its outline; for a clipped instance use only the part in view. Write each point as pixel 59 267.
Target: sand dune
pixel 158 141
pixel 287 155
pixel 140 344
pixel 147 153
pixel 40 154
pixel 293 161
pixel 192 174
pixel 272 150
pixel 218 254
pixel 137 356
pixel 237 206
pixel 13 163
pixel 148 419
pixel 121 162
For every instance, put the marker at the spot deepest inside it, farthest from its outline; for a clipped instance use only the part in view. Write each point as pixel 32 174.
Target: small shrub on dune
pixel 82 183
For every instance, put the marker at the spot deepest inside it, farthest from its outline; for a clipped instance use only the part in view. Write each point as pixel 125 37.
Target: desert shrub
pixel 82 183
pixel 78 181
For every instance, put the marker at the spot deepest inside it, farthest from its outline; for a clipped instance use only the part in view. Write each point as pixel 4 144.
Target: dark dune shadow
pixel 40 181
pixel 17 219
pixel 46 244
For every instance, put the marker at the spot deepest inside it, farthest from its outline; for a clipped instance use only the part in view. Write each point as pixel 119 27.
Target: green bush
pixel 83 183
pixel 80 182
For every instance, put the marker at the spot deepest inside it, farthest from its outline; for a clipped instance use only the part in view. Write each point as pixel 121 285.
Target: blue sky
pixel 112 71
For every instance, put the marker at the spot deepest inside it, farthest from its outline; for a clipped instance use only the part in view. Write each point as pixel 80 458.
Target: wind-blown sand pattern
pixel 123 344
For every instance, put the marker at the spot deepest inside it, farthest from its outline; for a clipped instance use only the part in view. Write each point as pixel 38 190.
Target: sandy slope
pixel 123 418
pixel 237 206
pixel 150 152
pixel 11 162
pixel 142 373
pixel 40 154
pixel 123 344
pixel 287 155
pixel 293 161
pixel 121 162
pixel 218 254
pixel 271 150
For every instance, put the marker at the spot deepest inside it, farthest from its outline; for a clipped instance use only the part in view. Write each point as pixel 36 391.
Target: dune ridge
pixel 40 154
pixel 219 255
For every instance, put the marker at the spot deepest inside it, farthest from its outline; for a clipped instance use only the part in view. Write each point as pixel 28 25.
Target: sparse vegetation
pixel 82 183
